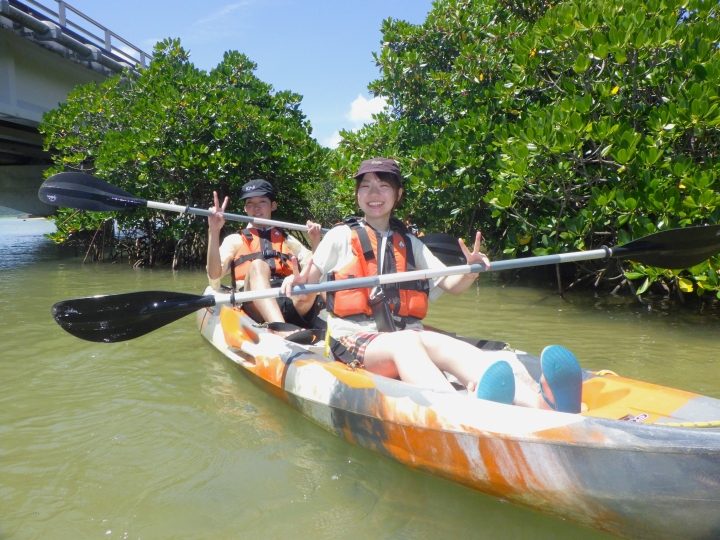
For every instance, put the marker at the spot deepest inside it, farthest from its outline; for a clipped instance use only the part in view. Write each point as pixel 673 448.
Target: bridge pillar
pixel 33 80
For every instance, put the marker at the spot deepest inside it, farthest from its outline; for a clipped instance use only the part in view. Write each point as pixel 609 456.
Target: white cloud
pixel 129 52
pixel 333 141
pixel 222 12
pixel 362 109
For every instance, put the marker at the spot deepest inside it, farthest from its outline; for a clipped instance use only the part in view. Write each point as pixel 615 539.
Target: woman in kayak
pixel 381 329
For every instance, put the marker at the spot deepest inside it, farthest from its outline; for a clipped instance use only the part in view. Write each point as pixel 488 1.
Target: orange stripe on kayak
pixel 496 466
pixel 270 369
pixel 230 321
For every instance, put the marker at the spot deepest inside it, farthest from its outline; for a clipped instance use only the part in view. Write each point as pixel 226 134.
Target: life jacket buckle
pixel 354 365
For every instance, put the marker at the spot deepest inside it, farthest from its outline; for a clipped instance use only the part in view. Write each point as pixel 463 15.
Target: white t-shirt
pixel 335 252
pixel 233 243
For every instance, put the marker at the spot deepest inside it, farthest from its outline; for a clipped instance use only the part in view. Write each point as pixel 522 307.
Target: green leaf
pixel 582 63
pixel 643 287
pixel 685 285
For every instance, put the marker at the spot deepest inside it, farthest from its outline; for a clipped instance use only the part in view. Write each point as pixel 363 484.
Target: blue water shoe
pixel 564 377
pixel 497 383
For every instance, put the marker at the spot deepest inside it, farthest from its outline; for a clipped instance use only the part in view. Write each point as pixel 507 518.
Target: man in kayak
pixel 382 330
pixel 259 257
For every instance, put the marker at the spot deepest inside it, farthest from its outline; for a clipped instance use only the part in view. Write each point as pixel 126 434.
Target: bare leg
pixel 468 363
pixel 419 357
pixel 303 303
pixel 258 278
pixel 403 354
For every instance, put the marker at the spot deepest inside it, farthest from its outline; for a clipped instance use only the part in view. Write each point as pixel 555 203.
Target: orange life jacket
pixel 408 300
pixel 266 244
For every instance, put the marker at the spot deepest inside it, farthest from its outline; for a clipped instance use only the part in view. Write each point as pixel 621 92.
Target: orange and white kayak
pixel 642 461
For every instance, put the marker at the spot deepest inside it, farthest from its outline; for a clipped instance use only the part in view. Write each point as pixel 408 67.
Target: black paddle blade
pixel 120 317
pixel 674 248
pixel 445 247
pixel 86 192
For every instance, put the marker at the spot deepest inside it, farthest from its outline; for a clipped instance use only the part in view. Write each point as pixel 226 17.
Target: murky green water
pixel 161 437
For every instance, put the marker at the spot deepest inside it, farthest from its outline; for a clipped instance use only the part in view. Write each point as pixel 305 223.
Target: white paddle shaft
pixel 373 281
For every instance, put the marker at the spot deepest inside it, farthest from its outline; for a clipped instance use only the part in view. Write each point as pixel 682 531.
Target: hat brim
pixel 361 174
pixel 252 194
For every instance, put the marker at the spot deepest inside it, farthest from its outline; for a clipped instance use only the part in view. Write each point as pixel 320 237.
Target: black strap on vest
pixel 339 352
pixel 355 224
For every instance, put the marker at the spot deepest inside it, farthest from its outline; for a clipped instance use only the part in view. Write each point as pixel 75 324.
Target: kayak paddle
pixel 126 316
pixel 86 192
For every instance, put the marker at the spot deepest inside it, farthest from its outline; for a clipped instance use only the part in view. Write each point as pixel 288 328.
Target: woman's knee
pixel 435 339
pixel 409 339
pixel 400 344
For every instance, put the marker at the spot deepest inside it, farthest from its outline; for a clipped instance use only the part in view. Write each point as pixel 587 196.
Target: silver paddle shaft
pixel 374 281
pixel 231 217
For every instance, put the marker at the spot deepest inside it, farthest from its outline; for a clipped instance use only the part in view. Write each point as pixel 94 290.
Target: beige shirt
pixel 233 243
pixel 335 252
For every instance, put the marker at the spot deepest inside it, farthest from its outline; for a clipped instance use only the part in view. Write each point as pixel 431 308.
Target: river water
pixel 161 437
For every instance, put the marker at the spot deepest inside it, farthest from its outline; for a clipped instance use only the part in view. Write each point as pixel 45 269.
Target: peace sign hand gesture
pixel 217 221
pixel 474 257
pixel 297 277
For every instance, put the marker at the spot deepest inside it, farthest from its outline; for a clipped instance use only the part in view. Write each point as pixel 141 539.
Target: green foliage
pixel 555 128
pixel 177 133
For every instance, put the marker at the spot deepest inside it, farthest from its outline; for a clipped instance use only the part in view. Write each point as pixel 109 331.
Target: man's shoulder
pixel 232 238
pixel 230 245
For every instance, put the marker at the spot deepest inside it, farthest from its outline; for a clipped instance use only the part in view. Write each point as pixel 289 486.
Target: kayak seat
pixel 301 336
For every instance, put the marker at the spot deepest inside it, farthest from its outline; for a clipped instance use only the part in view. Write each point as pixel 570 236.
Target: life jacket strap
pixel 365 245
pixel 266 252
pixel 269 254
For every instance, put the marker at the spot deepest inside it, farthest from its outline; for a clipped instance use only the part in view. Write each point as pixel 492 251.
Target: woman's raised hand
pixel 217 221
pixel 474 257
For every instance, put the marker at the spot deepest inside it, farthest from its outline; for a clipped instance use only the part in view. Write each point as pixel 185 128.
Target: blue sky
pixel 321 49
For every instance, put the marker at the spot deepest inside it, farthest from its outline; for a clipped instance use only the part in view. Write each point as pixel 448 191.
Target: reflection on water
pixel 22 242
pixel 161 437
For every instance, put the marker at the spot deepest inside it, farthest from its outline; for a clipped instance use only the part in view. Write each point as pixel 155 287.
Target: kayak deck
pixel 618 398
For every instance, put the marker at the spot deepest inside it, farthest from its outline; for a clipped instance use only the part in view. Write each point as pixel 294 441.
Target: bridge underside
pixel 22 162
pixel 33 80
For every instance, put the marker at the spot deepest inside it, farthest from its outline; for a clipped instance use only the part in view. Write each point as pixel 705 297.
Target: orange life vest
pixel 408 300
pixel 266 244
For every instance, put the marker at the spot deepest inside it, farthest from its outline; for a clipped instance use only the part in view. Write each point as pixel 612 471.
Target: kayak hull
pixel 627 478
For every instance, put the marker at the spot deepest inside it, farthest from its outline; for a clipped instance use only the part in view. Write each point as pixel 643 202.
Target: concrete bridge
pixel 44 53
